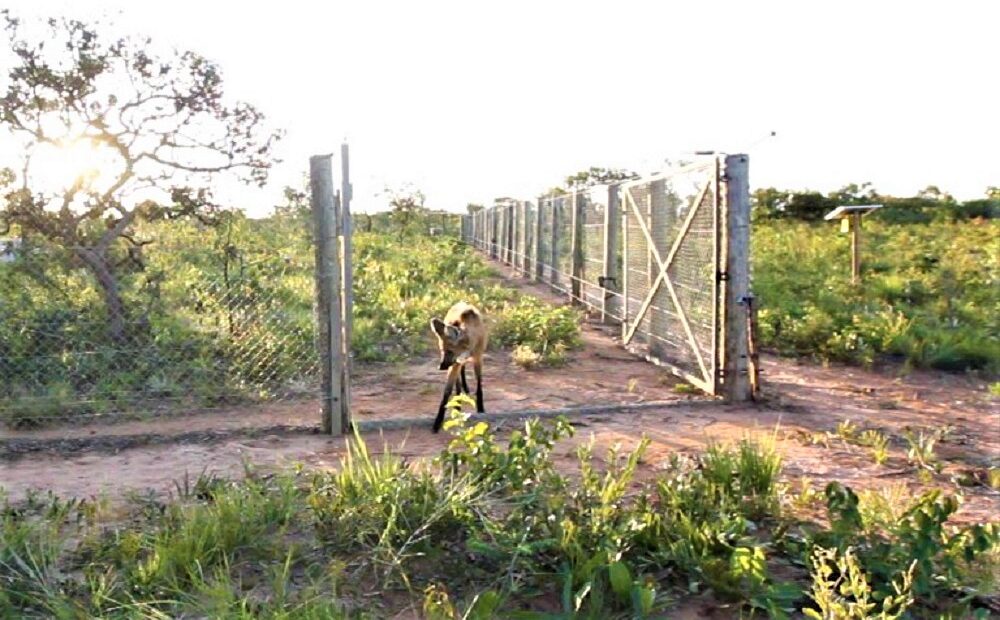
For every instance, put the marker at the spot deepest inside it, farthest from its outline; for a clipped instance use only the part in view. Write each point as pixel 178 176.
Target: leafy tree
pixel 769 202
pixel 598 176
pixel 406 203
pixel 932 192
pixel 157 122
pixel 854 194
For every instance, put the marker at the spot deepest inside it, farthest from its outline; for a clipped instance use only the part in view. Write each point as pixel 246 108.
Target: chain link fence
pixel 206 318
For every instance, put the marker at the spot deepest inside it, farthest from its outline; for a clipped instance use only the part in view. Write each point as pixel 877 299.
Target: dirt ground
pixel 800 400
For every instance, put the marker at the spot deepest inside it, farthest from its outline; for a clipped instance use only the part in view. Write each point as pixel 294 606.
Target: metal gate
pixel 672 265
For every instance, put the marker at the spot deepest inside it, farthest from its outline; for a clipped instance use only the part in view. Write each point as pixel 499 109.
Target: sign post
pixel 850 220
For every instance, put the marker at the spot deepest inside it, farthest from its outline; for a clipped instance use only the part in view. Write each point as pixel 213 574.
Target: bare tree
pixel 157 122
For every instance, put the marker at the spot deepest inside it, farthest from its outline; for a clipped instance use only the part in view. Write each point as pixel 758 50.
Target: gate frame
pixel 709 379
pixel 728 372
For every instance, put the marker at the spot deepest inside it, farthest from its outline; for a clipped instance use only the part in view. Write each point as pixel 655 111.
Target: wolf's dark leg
pixel 448 388
pixel 478 368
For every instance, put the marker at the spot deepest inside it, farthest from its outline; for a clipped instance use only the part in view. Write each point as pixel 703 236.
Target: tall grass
pixel 929 295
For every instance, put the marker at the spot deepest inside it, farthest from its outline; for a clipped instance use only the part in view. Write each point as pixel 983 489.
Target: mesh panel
pixel 594 209
pixel 545 239
pixel 564 244
pixel 666 205
pixel 216 333
pixel 530 214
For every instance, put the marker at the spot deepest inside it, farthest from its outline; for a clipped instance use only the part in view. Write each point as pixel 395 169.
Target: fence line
pixel 663 256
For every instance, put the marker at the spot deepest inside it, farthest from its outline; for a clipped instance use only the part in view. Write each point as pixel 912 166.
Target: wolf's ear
pixel 439 327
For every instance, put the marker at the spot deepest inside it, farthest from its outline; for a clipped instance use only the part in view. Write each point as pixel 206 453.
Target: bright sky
pixel 469 101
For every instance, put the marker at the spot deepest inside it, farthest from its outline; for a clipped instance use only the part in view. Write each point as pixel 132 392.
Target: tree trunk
pixel 98 264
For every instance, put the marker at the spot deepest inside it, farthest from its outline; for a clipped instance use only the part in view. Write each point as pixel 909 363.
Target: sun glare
pixel 57 167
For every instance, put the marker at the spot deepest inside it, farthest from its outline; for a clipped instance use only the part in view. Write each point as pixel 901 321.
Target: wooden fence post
pixel 610 255
pixel 554 254
pixel 735 226
pixel 522 233
pixel 536 260
pixel 328 288
pixel 347 267
pixel 625 270
pixel 576 248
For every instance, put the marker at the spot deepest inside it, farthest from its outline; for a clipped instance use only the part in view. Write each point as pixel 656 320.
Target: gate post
pixel 623 215
pixel 576 248
pixel 609 305
pixel 735 261
pixel 536 261
pixel 347 281
pixel 328 288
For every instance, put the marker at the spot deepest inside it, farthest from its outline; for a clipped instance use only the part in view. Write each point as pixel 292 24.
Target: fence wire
pixel 199 330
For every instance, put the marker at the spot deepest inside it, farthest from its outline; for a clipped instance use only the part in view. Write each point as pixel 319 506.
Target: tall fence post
pixel 347 266
pixel 509 233
pixel 576 247
pixel 502 237
pixel 328 287
pixel 536 260
pixel 735 229
pixel 525 236
pixel 554 254
pixel 494 220
pixel 610 255
pixel 623 214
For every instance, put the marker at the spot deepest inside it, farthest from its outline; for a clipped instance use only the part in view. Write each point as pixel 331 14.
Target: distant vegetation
pixel 930 295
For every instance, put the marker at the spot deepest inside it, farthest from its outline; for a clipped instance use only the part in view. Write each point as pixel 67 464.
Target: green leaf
pixel 642 599
pixel 621 580
pixel 483 607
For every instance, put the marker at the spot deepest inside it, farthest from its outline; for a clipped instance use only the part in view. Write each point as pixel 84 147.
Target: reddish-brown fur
pixel 462 332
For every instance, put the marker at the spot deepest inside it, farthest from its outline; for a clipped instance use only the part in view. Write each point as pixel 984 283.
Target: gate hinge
pixel 722 276
pixel 602 281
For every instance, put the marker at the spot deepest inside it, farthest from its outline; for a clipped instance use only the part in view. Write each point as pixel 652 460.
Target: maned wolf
pixel 461 333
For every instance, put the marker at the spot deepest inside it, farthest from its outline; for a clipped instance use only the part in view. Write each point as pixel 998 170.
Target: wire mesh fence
pixel 203 318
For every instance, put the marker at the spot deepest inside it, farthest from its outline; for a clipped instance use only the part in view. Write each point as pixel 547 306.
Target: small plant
pixel 995 389
pixel 685 388
pixel 525 357
pixel 993 478
pixel 808 496
pixel 878 443
pixel 841 590
pixel 438 605
pixel 921 450
pixel 847 431
pixel 880 509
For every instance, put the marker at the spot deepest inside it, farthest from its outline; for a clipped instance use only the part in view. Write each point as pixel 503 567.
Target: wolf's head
pixel 452 341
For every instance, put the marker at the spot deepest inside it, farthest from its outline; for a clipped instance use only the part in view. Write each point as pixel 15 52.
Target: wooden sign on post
pixel 850 221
